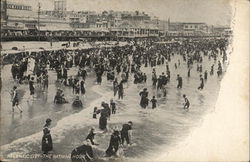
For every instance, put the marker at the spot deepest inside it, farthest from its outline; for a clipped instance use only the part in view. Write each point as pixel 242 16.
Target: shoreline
pixel 135 113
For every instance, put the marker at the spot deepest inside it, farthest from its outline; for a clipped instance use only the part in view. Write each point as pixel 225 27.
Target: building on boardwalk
pixel 21 20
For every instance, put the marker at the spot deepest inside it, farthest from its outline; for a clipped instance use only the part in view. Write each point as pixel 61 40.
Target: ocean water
pixel 166 125
pixel 16 125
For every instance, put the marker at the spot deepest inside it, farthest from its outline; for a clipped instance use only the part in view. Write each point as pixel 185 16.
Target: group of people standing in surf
pixel 85 152
pixel 120 64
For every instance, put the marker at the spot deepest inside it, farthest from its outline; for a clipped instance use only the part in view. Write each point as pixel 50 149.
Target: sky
pixel 212 12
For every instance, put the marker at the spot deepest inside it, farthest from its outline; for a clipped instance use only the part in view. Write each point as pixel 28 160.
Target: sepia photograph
pixel 124 80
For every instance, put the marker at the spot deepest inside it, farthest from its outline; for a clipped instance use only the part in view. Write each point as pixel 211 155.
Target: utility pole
pixel 38 22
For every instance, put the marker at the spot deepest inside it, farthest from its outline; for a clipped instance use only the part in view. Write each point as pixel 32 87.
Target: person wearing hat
pixel 47 144
pixel 15 99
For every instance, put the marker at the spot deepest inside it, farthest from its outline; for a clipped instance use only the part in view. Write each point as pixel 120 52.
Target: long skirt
pixel 83 90
pixel 112 149
pixel 144 102
pixel 99 79
pixel 47 144
pixel 103 123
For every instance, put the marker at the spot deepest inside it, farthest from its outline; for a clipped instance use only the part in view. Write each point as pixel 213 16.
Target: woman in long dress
pixel 105 113
pixel 144 98
pixel 115 86
pixel 47 144
pixel 114 143
pixel 83 87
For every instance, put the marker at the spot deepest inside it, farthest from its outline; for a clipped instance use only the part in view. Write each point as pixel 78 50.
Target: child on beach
pixel 15 99
pixel 113 106
pixel 77 102
pixel 95 112
pixel 154 101
pixel 91 136
pixel 202 83
pixel 186 104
